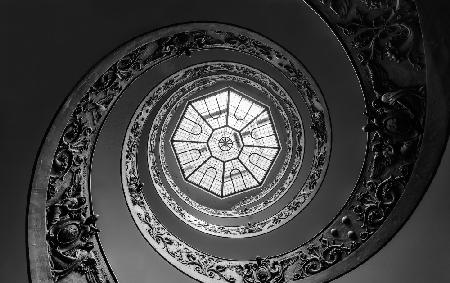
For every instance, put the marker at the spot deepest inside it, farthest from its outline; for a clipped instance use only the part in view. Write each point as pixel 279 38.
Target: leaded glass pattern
pixel 225 142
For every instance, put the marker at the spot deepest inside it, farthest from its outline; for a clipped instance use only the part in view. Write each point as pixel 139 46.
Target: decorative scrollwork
pixel 71 229
pixel 263 271
pixel 383 34
pixel 319 256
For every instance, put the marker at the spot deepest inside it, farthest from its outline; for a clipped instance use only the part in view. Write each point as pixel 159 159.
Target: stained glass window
pixel 225 142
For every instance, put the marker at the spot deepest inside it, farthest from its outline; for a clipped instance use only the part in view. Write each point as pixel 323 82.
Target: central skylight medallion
pixel 225 142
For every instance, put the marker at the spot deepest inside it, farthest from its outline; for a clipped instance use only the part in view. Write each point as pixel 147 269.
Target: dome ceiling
pixel 225 143
pixel 215 132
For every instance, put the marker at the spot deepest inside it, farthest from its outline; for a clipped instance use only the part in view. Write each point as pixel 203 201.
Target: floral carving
pixel 342 7
pixel 379 32
pixel 319 256
pixel 71 228
pixel 264 271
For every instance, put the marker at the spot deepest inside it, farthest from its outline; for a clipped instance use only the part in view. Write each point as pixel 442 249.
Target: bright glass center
pixel 225 142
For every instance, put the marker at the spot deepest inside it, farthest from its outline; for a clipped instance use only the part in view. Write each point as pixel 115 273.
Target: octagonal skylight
pixel 225 142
